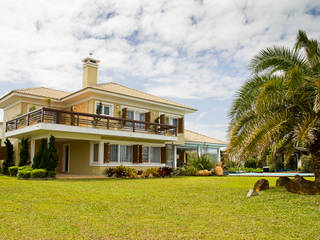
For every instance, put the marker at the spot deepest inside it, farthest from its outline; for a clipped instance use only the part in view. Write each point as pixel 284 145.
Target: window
pixel 113 153
pixel 136 115
pixel 145 154
pixel 173 121
pixel 95 152
pixel 106 110
pixel 155 155
pixel 125 153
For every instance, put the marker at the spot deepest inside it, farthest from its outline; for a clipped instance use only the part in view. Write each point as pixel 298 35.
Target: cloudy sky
pixel 192 51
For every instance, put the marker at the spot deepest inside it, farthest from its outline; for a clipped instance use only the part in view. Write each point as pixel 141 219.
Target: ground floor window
pixel 113 153
pixel 155 155
pixel 95 152
pixel 125 153
pixel 145 154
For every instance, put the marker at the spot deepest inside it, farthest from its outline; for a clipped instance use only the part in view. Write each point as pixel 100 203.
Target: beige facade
pixel 72 119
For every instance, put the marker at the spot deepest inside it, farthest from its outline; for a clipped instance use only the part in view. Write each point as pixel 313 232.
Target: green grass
pixel 170 208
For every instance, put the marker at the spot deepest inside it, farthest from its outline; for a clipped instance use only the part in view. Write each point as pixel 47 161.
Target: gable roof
pixel 43 92
pixel 191 136
pixel 108 87
pixel 120 89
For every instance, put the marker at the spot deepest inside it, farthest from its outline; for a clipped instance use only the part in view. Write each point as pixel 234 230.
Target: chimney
pixel 90 71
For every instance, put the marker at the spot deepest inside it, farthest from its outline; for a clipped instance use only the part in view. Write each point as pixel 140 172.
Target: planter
pixel 218 170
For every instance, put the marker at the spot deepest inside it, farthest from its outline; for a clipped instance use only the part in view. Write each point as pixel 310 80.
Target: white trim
pixel 114 164
pixel 174 155
pixel 134 109
pixel 26 95
pixel 171 115
pixel 32 150
pixel 86 130
pixel 64 158
pixel 110 105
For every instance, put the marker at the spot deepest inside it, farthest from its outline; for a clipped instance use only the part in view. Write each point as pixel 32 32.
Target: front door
pixel 66 158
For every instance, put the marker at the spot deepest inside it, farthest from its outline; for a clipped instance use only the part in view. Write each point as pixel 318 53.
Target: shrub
pixel 52 156
pixel 24 167
pixel 185 171
pixel 164 171
pixel 24 173
pixel 13 170
pixel 24 152
pixel 110 172
pixel 40 159
pixel 52 174
pixel 204 173
pixel 121 171
pixel 38 173
pixel 307 163
pixel 201 163
pixel 8 162
pixel 251 163
pixel 151 172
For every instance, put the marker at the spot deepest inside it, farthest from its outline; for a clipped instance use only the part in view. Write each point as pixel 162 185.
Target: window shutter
pixel 181 125
pixel 147 117
pixel 163 155
pixel 106 157
pixel 135 153
pixel 140 154
pixel 124 115
pixel 162 119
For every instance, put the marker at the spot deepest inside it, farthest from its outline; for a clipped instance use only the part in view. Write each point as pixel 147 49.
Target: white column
pixel 199 150
pixel 174 155
pixel 218 157
pixel 101 152
pixel 32 150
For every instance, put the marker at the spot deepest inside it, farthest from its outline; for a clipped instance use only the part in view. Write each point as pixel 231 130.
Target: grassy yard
pixel 170 208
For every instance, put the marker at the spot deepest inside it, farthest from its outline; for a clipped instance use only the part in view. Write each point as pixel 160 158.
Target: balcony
pixel 86 122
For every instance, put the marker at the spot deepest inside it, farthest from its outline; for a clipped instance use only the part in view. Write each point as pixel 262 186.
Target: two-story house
pixel 97 126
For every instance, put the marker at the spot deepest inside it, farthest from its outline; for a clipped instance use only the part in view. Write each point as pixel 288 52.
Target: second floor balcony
pixel 88 121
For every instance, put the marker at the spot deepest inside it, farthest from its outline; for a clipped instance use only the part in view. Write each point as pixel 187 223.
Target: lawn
pixel 170 208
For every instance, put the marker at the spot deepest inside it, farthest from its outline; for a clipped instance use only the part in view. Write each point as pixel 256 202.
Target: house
pixel 100 125
pixel 199 144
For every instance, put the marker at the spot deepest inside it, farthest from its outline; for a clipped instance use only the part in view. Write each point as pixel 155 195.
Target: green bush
pixel 24 173
pixel 110 172
pixel 13 170
pixel 151 172
pixel 121 171
pixel 246 170
pixel 201 163
pixel 307 163
pixel 38 173
pixel 24 152
pixel 24 167
pixel 52 174
pixel 251 163
pixel 185 171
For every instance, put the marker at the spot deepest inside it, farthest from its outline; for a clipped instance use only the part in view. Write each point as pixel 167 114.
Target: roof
pixel 43 92
pixel 120 89
pixel 108 87
pixel 190 136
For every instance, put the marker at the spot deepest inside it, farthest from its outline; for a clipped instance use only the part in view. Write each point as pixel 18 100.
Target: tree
pixel 24 152
pixel 8 162
pixel 52 156
pixel 40 159
pixel 279 106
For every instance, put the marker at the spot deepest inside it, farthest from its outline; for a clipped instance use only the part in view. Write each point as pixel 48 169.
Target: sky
pixel 195 52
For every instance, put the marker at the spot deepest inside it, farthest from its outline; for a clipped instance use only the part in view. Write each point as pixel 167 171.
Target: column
pixel 101 152
pixel 174 155
pixel 218 156
pixel 32 150
pixel 199 151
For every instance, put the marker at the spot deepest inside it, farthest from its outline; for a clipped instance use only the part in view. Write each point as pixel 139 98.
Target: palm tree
pixel 279 106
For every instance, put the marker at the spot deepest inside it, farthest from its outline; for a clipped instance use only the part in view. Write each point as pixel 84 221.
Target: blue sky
pixel 195 52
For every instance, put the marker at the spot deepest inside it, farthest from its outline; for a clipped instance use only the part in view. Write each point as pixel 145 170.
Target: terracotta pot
pixel 218 170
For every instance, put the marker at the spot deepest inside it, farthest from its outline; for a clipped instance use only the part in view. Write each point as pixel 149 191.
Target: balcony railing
pixel 54 116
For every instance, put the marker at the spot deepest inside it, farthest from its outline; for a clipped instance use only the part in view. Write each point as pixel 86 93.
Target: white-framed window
pixel 107 108
pixel 138 115
pixel 173 121
pixel 145 154
pixel 113 152
pixel 155 155
pixel 95 152
pixel 126 153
